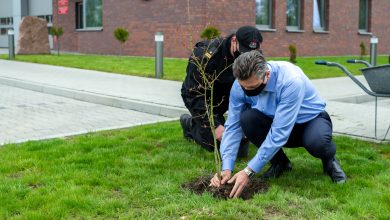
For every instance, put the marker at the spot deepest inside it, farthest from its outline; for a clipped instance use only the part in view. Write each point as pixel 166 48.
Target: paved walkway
pixel 149 95
pixel 352 111
pixel 28 115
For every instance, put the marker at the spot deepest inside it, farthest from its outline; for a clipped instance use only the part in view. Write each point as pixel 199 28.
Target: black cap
pixel 249 38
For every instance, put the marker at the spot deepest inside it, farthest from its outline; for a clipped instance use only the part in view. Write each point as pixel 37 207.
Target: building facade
pixel 12 12
pixel 315 27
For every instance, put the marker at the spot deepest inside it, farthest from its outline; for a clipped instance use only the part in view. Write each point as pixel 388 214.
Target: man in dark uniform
pixel 216 56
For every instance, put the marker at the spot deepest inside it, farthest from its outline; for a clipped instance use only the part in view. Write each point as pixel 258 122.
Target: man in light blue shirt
pixel 274 105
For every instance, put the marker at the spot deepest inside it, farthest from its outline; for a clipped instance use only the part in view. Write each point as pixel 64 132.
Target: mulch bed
pixel 201 185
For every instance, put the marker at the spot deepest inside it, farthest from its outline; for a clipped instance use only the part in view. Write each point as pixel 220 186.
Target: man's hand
pixel 225 176
pixel 219 132
pixel 241 180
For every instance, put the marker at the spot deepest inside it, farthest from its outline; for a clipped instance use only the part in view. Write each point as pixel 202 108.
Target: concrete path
pixel 351 109
pixel 28 115
pixel 148 95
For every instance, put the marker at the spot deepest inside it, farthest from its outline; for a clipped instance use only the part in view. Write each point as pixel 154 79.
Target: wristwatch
pixel 249 172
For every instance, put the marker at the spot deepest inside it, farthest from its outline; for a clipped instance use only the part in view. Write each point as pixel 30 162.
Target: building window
pixel 6 21
pixel 89 14
pixel 3 31
pixel 5 24
pixel 320 15
pixel 293 13
pixel 48 18
pixel 79 15
pixel 364 15
pixel 93 11
pixel 3 21
pixel 264 14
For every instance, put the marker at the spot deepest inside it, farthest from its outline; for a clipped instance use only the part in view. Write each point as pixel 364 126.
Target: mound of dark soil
pixel 201 185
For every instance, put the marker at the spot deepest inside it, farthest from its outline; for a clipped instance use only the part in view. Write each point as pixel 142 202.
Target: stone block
pixel 33 36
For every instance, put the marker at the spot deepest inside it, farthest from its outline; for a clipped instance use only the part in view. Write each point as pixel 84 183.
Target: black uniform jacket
pixel 214 55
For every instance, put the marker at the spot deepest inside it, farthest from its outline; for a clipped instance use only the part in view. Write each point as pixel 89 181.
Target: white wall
pixel 40 7
pixel 5 11
pixel 3 41
pixel 5 8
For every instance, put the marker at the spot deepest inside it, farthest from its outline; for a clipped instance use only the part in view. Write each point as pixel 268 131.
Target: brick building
pixel 315 27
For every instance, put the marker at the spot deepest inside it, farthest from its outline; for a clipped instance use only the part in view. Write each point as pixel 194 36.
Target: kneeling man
pixel 274 105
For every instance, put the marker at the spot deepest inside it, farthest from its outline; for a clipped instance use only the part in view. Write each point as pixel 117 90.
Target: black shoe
pixel 244 148
pixel 185 122
pixel 277 169
pixel 333 169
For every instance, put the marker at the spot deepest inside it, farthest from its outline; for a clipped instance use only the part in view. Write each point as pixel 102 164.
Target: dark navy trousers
pixel 315 135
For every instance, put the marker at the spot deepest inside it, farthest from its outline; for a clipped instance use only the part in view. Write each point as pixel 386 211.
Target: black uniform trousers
pixel 315 135
pixel 200 129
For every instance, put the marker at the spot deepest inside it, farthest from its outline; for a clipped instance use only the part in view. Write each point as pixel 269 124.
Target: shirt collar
pixel 271 84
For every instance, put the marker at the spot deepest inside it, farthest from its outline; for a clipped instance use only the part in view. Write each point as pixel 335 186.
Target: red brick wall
pixel 144 18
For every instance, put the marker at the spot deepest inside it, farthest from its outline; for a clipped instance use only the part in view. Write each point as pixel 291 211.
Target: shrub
pixel 210 32
pixel 122 35
pixel 293 53
pixel 363 51
pixel 57 32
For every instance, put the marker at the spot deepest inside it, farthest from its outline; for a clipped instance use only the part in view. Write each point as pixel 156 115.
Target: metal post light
pixel 159 39
pixel 373 52
pixel 11 45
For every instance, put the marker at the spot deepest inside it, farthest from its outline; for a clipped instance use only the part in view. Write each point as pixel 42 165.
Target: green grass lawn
pixel 138 172
pixel 174 68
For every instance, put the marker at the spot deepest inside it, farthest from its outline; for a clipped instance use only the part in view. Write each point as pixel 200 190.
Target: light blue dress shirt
pixel 288 98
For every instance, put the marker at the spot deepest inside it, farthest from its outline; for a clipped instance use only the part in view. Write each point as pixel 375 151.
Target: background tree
pixel 293 53
pixel 122 35
pixel 363 51
pixel 210 32
pixel 57 32
pixel 206 80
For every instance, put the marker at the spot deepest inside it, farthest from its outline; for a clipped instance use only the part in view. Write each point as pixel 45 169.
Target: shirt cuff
pixel 227 165
pixel 256 165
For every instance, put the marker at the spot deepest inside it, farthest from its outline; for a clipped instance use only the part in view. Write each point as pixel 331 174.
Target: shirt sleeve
pixel 291 98
pixel 233 133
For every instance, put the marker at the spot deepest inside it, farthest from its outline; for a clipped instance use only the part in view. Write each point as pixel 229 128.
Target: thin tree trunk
pixel 58 46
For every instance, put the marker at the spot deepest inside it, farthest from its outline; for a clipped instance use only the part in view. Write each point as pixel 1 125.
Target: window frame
pixel 84 18
pixel 323 17
pixel 297 28
pixel 270 25
pixel 79 21
pixel 3 31
pixel 367 4
pixel 6 23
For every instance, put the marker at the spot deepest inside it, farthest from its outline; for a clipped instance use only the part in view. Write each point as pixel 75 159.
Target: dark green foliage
pixel 293 53
pixel 57 32
pixel 210 32
pixel 122 35
pixel 363 51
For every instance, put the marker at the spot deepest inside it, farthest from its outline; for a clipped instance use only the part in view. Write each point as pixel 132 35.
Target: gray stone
pixel 33 36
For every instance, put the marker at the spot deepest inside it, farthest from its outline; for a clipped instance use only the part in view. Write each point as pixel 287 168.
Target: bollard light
pixel 11 44
pixel 373 52
pixel 159 39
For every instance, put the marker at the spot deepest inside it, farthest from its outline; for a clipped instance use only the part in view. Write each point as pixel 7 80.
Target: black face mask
pixel 254 92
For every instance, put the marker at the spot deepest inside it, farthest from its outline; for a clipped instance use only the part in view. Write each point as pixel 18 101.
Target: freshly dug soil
pixel 201 185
